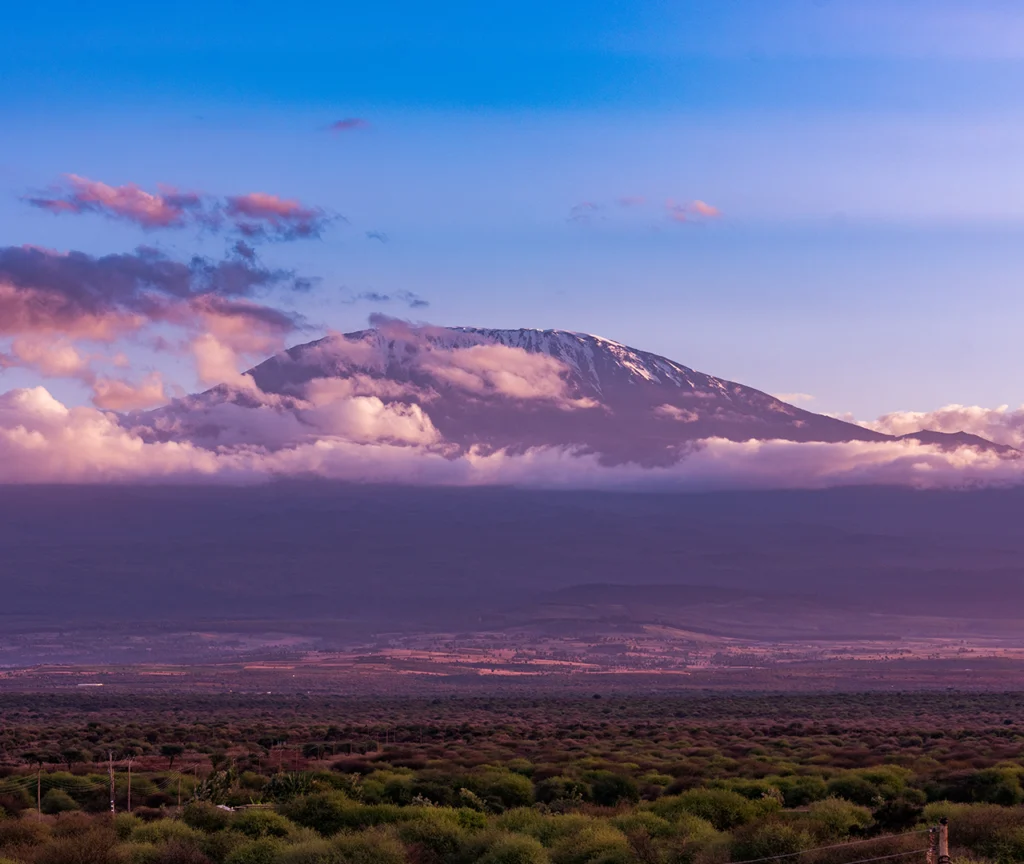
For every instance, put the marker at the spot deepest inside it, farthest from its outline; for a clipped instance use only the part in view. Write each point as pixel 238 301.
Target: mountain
pixel 952 440
pixel 453 389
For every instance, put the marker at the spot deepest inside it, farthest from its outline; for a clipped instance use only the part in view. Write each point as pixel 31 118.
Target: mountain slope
pixel 461 388
pixel 622 403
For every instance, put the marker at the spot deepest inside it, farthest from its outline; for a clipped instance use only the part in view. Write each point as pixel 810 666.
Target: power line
pixel 844 846
pixel 883 857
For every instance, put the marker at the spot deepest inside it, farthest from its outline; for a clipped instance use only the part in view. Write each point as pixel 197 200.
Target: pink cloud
pixel 688 211
pixel 31 310
pixel 84 297
pixel 504 371
pixel 51 358
pixel 118 394
pixel 348 124
pixel 127 202
pixel 51 301
pixel 681 415
pixel 259 214
pixel 254 215
pixel 365 439
pixel 705 210
pixel 1003 425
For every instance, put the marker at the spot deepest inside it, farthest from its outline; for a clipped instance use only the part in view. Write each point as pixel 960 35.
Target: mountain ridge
pixel 485 389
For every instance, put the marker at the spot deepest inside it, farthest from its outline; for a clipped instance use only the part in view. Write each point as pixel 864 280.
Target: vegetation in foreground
pixel 509 781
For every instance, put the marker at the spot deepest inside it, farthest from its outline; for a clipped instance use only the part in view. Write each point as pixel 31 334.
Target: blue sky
pixel 865 158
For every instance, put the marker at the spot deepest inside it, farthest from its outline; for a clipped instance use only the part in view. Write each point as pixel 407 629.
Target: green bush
pixel 768 839
pixel 723 808
pixel 166 830
pixel 376 846
pixel 331 812
pixel 263 851
pixel 595 841
pixel 514 849
pixel 137 853
pixel 799 791
pixel 317 851
pixel 436 834
pixel 853 788
pixel 502 790
pixel 646 822
pixel 835 819
pixel 608 789
pixel 58 801
pixel 565 789
pixel 204 816
pixel 261 823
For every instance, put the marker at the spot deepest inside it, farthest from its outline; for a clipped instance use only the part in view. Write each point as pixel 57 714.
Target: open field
pixel 653 658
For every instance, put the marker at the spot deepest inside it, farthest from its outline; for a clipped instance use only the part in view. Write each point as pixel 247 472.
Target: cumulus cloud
pixel 321 391
pixel 51 358
pixel 50 301
pixel 362 438
pixel 1003 425
pixel 76 294
pixel 255 215
pixel 119 394
pixel 493 369
pixel 41 440
pixel 673 412
pixel 369 420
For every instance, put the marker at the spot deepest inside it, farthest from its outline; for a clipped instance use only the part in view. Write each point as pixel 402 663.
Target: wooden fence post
pixel 943 840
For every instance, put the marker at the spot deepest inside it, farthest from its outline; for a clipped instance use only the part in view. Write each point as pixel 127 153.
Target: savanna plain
pixel 107 776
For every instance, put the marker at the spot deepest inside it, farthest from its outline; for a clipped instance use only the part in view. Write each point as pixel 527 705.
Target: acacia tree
pixel 171 752
pixel 72 756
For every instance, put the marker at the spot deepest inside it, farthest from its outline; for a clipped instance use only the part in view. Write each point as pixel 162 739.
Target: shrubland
pixel 620 779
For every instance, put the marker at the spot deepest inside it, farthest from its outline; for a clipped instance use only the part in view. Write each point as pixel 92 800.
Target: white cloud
pixel 364 439
pixel 502 370
pixel 1003 425
pixel 674 413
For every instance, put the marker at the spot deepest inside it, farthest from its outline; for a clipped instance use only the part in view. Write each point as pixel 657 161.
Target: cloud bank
pixel 357 419
pixel 355 430
pixel 1003 425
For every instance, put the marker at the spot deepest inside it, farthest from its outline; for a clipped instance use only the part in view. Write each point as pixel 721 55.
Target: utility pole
pixel 943 840
pixel 39 795
pixel 110 768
